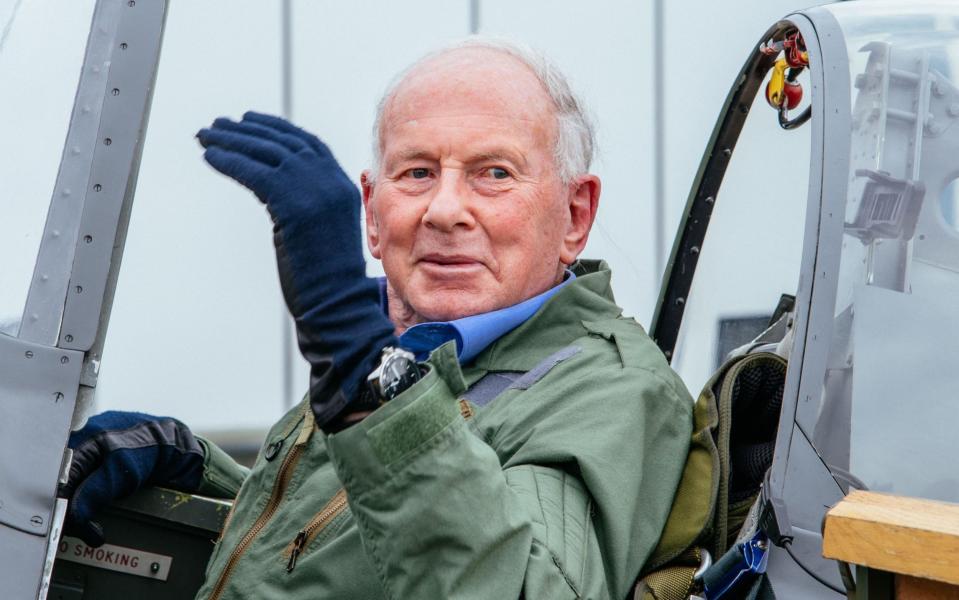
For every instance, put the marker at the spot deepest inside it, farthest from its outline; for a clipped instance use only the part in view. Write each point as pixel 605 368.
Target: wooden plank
pixel 901 535
pixel 913 588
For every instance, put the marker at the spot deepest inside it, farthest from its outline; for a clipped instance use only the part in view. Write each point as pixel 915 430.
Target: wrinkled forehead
pixel 468 82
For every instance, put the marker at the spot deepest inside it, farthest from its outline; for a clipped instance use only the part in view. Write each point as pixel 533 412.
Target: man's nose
pixel 449 206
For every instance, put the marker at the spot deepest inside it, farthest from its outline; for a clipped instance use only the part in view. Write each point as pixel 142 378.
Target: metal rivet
pixel 123 45
pixel 97 187
pixel 68 338
pixel 64 360
pixel 273 450
pixel 727 152
pixel 115 91
pixel 66 192
pixel 680 301
pixel 28 353
pixel 55 233
pixel 694 250
pixel 710 200
pixel 36 520
pixel 132 3
pixel 88 238
pixel 154 567
pixel 107 142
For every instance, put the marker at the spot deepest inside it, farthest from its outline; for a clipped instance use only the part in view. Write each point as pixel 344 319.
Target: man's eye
pixel 497 173
pixel 419 173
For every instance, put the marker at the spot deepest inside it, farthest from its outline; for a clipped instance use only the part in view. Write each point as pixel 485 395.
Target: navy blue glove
pixel 117 453
pixel 341 328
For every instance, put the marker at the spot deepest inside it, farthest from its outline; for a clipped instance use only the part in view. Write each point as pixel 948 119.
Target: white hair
pixel 575 137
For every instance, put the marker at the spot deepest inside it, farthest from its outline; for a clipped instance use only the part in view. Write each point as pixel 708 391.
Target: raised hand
pixel 315 209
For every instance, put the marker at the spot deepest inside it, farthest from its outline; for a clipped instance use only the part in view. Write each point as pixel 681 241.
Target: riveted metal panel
pixel 19 552
pixel 38 387
pixel 54 361
pixel 798 476
pixel 37 395
pixel 821 249
pixel 109 191
pixel 51 276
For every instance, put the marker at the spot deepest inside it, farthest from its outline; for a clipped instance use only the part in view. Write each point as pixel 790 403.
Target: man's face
pixel 468 212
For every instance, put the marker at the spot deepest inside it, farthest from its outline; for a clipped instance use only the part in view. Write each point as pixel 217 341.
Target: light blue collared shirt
pixel 474 333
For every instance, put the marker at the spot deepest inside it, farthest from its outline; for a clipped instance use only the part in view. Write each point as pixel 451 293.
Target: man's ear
pixel 372 230
pixel 583 202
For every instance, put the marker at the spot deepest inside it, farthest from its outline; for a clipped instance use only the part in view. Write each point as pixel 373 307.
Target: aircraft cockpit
pixel 856 263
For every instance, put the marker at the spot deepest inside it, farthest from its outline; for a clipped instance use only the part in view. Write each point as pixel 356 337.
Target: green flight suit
pixel 559 490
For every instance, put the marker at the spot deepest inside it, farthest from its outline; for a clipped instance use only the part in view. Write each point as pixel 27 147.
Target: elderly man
pixel 483 423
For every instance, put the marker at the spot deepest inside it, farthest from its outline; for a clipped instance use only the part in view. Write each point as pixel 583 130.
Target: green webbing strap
pixel 674 582
pixel 671 583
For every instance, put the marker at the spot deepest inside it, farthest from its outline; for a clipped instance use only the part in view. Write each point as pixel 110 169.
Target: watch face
pixel 398 373
pixel 395 368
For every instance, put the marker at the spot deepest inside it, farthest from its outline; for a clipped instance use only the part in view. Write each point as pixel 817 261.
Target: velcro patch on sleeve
pixel 415 424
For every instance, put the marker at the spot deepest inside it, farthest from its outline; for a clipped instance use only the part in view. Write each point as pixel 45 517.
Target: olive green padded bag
pixel 734 426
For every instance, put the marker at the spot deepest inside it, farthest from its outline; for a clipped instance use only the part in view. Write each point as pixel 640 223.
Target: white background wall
pixel 197 323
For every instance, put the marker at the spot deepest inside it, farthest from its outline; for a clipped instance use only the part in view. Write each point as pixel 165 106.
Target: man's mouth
pixel 449 264
pixel 449 259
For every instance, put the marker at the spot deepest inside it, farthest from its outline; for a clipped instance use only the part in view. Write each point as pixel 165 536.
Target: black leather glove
pixel 117 453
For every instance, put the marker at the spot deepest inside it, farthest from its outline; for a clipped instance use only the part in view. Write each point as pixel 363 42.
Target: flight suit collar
pixel 554 326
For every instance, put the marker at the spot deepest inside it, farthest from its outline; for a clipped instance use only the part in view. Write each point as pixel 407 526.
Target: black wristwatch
pixel 398 370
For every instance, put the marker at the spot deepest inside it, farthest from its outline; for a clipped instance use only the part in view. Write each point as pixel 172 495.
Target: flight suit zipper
pixel 276 496
pixel 317 524
pixel 285 434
